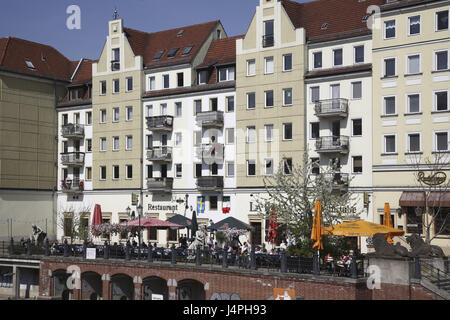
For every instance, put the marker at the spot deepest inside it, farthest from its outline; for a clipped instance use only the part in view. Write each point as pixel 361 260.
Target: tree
pixel 74 222
pixel 292 197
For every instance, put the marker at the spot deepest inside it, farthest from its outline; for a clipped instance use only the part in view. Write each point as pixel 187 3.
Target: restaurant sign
pixel 345 209
pixel 158 207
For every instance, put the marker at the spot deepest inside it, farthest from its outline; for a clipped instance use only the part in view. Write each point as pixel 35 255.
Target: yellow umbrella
pixel 361 228
pixel 387 221
pixel 317 228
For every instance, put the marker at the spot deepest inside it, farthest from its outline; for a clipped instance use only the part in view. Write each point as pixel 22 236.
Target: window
pixel 230 135
pixel 88 175
pixel 129 171
pixel 102 144
pixel 251 134
pixel 251 67
pixel 442 20
pixel 268 65
pixel 214 169
pixel 287 97
pixel 413 143
pixel 150 110
pixel 197 138
pixel 213 202
pixel 357 90
pixel 315 94
pixel 166 81
pixel 149 141
pixel 198 106
pixel 251 168
pixel 68 225
pixel 130 84
pixel 389 29
pixel 30 64
pixel 116 54
pixel 152 83
pixel 317 56
pixel 315 130
pixel 413 66
pixel 268 167
pixel 287 62
pixel 441 60
pixel 230 169
pixel 287 166
pixel 116 114
pixel 268 128
pixel 65 119
pixel 441 101
pixel 287 131
pixel 178 170
pixel 178 109
pixel 413 103
pixel 441 141
pixel 337 57
pixel 88 118
pixel 413 25
pixel 202 77
pixel 102 88
pixel 213 104
pixel 172 52
pixel 390 144
pixel 149 171
pixel 115 172
pixel 159 55
pixel 129 113
pixel 230 103
pixel 389 106
pixel 226 74
pixel 390 67
pixel 357 164
pixel 315 165
pixel 269 99
pixel 65 146
pixel 357 127
pixel 102 172
pixel 116 85
pixel 88 145
pixel 251 103
pixel 115 143
pixel 359 54
pixel 163 109
pixel 197 170
pixel 180 79
pixel 187 50
pixel 129 142
pixel 268 38
pixel 178 139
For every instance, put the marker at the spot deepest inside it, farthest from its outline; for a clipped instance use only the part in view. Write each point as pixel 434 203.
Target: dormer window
pixel 202 75
pixel 226 74
pixel 180 33
pixel 158 55
pixel 172 53
pixel 187 50
pixel 30 65
pixel 324 26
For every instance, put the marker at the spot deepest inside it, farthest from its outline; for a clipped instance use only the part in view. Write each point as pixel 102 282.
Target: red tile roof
pixel 84 73
pixel 149 44
pixel 221 52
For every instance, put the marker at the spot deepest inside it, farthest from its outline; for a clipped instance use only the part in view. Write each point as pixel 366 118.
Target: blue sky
pixel 44 21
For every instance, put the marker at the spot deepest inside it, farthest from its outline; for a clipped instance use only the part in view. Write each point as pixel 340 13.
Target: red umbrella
pixel 273 227
pixel 152 222
pixel 97 218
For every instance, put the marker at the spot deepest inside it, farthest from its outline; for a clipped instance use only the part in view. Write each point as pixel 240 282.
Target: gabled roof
pixel 148 45
pixel 83 74
pixel 221 52
pixel 35 59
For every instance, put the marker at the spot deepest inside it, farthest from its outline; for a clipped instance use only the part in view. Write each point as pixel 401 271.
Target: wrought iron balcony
pixel 211 183
pixel 334 144
pixel 72 158
pixel 210 119
pixel 160 184
pixel 72 185
pixel 162 153
pixel 338 180
pixel 211 153
pixel 332 108
pixel 72 131
pixel 160 123
pixel 268 41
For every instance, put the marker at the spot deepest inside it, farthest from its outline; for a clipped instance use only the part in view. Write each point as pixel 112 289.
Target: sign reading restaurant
pixel 152 207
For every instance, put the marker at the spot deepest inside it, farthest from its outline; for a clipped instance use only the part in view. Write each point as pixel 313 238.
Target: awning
pixel 412 199
pixel 439 199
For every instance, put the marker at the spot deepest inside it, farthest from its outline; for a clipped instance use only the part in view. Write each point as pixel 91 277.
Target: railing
pixel 337 179
pixel 440 278
pixel 162 153
pixel 210 183
pixel 332 107
pixel 338 144
pixel 72 158
pixel 72 130
pixel 72 185
pixel 159 184
pixel 210 118
pixel 268 41
pixel 211 153
pixel 163 123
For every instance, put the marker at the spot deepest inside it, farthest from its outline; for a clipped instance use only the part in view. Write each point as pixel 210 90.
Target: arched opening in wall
pixel 60 288
pixel 122 287
pixel 153 286
pixel 91 286
pixel 189 289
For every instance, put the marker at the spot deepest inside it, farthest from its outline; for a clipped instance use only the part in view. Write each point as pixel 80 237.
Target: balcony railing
pixel 72 185
pixel 160 123
pixel 115 65
pixel 210 119
pixel 162 153
pixel 211 153
pixel 268 41
pixel 334 144
pixel 211 183
pixel 338 179
pixel 74 131
pixel 160 184
pixel 72 158
pixel 332 108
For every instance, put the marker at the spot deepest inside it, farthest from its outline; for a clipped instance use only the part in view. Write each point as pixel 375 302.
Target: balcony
pixel 338 180
pixel 211 153
pixel 72 131
pixel 210 119
pixel 332 108
pixel 72 185
pixel 268 41
pixel 162 153
pixel 160 184
pixel 72 158
pixel 334 144
pixel 160 123
pixel 212 183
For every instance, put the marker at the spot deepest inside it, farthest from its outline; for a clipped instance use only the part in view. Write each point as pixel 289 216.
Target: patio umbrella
pixel 181 220
pixel 152 222
pixel 194 226
pixel 361 228
pixel 273 227
pixel 317 228
pixel 97 217
pixel 229 223
pixel 387 221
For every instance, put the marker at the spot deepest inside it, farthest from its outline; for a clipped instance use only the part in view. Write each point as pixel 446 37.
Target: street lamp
pixel 128 209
